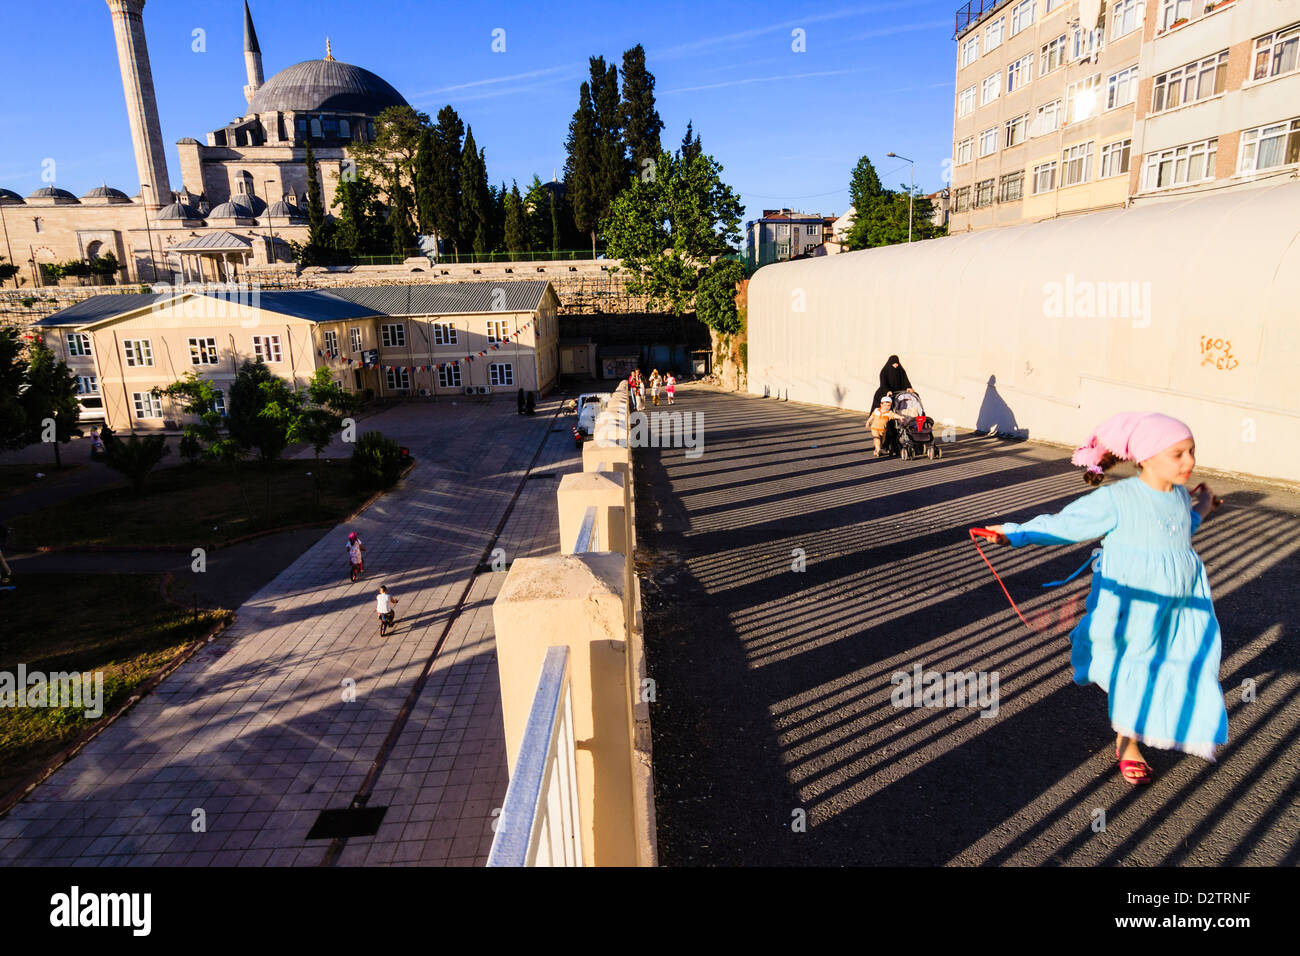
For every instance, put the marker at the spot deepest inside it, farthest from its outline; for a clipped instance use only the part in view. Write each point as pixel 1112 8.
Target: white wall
pixel 1005 305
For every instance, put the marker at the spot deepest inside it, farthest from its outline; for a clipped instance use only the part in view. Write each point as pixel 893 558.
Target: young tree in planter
pixel 50 399
pixel 317 420
pixel 197 397
pixel 135 457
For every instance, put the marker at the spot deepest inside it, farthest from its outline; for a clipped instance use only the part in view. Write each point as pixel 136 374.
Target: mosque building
pixel 243 193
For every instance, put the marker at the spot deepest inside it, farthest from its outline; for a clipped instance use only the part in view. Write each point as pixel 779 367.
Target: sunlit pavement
pixel 775 739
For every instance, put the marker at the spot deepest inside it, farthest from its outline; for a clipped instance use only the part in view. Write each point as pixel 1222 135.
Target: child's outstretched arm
pixel 1083 519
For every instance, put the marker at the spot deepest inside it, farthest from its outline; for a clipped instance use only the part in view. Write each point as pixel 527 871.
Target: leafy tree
pixel 667 230
pixel 359 228
pixel 254 388
pixel 641 122
pixel 715 299
pixel 50 399
pixel 425 177
pixel 516 228
pixel 444 187
pixel 690 148
pixel 135 457
pixel 390 158
pixel 376 461
pixel 106 266
pixel 13 373
pixel 399 224
pixel 198 397
pixel 537 215
pixel 7 271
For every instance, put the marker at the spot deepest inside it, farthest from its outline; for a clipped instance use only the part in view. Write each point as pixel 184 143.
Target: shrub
pixel 376 461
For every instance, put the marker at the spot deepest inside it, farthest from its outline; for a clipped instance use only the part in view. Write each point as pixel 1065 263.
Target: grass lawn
pixel 17 478
pixel 117 624
pixel 197 506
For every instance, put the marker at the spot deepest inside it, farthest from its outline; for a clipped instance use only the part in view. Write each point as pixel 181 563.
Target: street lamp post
pixel 8 248
pixel 153 262
pixel 272 258
pixel 910 192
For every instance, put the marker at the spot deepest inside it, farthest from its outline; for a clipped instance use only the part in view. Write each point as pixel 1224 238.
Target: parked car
pixel 92 409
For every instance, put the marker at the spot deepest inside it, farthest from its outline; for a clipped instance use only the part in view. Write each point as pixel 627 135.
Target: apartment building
pixel 1219 99
pixel 1044 109
pixel 783 234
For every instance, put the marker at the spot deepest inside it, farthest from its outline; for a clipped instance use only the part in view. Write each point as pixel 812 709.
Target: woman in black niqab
pixel 893 378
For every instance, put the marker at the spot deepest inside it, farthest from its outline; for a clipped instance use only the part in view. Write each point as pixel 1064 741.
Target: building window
pixel 961 199
pixel 1051 5
pixel 393 336
pixel 1086 42
pixel 1076 165
pixel 990 88
pixel 315 127
pixel 1051 56
pixel 970 50
pixel 345 129
pixel 1012 186
pixel 219 403
pixel 966 101
pixel 1016 130
pixel 1114 158
pixel 1022 15
pixel 984 193
pixel 203 351
pixel 355 336
pixel 78 343
pixel 989 141
pixel 1082 99
pixel 396 377
pixel 147 405
pixel 1267 147
pixel 139 352
pixel 1047 119
pixel 1125 17
pixel 267 348
pixel 501 373
pixel 496 331
pixel 331 342
pixel 1044 178
pixel 36 221
pixel 244 183
pixel 964 151
pixel 1020 72
pixel 87 385
pixel 444 333
pixel 993 34
pixel 812 230
pixel 1187 84
pixel 1121 88
pixel 449 376
pixel 1171 11
pixel 1181 165
pixel 1276 53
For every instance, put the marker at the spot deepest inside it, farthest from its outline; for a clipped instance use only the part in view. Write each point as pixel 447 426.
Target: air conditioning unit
pixel 484 390
pixel 424 393
pixel 469 389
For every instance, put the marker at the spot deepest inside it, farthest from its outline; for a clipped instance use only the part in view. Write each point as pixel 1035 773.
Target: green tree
pixel 359 225
pixel 537 215
pixel 475 197
pixel 254 388
pixel 201 438
pixel 317 419
pixel 106 266
pixel 581 166
pixel 667 230
pixel 690 148
pixel 614 170
pixel 641 122
pixel 425 177
pixel 516 228
pixel 13 374
pixel 555 225
pixel 715 299
pixel 389 159
pixel 50 405
pixel 135 457
pixel 7 271
pixel 444 189
pixel 317 236
pixel 399 224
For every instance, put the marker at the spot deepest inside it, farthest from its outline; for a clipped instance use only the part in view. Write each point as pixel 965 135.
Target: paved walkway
pixel 774 705
pixel 254 735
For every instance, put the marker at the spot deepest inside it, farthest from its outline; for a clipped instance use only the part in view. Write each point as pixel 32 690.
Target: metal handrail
pixel 539 822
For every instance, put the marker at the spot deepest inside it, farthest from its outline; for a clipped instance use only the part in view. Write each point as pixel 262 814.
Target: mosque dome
pixel 10 198
pixel 284 210
pixel 108 193
pixel 178 210
pixel 54 193
pixel 230 210
pixel 325 85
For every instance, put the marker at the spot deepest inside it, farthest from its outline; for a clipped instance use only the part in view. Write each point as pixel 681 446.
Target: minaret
pixel 252 57
pixel 141 106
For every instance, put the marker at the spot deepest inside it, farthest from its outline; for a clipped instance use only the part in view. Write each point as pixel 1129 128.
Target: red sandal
pixel 1134 771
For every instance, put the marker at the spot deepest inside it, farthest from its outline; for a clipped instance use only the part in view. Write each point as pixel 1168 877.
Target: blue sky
pixel 787 126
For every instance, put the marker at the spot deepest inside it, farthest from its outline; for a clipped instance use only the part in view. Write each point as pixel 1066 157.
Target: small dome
pixel 178 210
pixel 10 198
pixel 325 85
pixel 284 210
pixel 107 192
pixel 252 205
pixel 230 210
pixel 53 192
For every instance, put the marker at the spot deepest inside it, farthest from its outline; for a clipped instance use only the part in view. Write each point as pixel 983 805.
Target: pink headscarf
pixel 1133 436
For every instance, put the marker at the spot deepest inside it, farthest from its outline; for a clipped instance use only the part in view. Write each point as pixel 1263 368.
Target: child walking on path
pixel 670 386
pixel 1149 636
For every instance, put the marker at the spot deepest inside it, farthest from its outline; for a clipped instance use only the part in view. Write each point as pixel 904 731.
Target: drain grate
pixel 349 822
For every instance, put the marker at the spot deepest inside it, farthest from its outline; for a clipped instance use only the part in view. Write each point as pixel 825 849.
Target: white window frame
pixel 1115 159
pixel 397 377
pixel 1054 109
pixel 1172 11
pixel 354 339
pixel 139 352
pixel 1020 73
pixel 1176 157
pixel 203 351
pixel 1126 16
pixel 1089 90
pixel 812 230
pixel 87 385
pixel 1051 55
pixel 1022 16
pixel 1076 160
pixel 449 376
pixel 393 335
pixel 1004 180
pixel 146 405
pixel 1267 48
pixel 965 149
pixel 989 142
pixel 1042 170
pixel 970 50
pixel 1192 73
pixel 501 374
pixel 992 82
pixel 1086 42
pixel 1121 88
pixel 444 333
pixel 966 101
pixel 219 403
pixel 1050 5
pixel 498 331
pixel 79 344
pixel 994 33
pixel 331 341
pixel 1286 131
pixel 267 348
pixel 1018 124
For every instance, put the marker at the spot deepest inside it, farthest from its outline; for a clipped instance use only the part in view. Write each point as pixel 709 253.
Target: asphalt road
pixel 775 738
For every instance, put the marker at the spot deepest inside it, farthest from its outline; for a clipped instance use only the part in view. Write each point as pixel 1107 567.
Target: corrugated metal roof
pixel 449 298
pixel 100 307
pixel 315 305
pixel 213 242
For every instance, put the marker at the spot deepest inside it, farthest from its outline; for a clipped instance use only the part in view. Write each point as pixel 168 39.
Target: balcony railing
pixel 972 11
pixel 539 821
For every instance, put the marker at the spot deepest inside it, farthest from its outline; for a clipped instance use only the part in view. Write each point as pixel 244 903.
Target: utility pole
pixel 910 193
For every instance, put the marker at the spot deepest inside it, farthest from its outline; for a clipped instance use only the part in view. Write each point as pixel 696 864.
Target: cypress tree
pixel 445 186
pixel 475 196
pixel 424 181
pixel 516 229
pixel 399 223
pixel 690 149
pixel 613 168
pixel 555 226
pixel 316 237
pixel 641 122
pixel 580 169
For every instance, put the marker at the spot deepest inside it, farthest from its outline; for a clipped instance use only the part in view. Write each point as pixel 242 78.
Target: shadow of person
pixel 995 416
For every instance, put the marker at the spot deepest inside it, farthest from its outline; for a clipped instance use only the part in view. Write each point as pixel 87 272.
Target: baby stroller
pixel 914 435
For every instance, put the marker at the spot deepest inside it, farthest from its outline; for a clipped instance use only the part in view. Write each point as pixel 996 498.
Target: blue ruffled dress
pixel 1149 636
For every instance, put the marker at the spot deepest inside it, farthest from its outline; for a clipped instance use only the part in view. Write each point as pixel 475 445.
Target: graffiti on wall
pixel 1218 352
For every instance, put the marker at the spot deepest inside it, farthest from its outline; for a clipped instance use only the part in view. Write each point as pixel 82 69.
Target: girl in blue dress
pixel 1149 636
